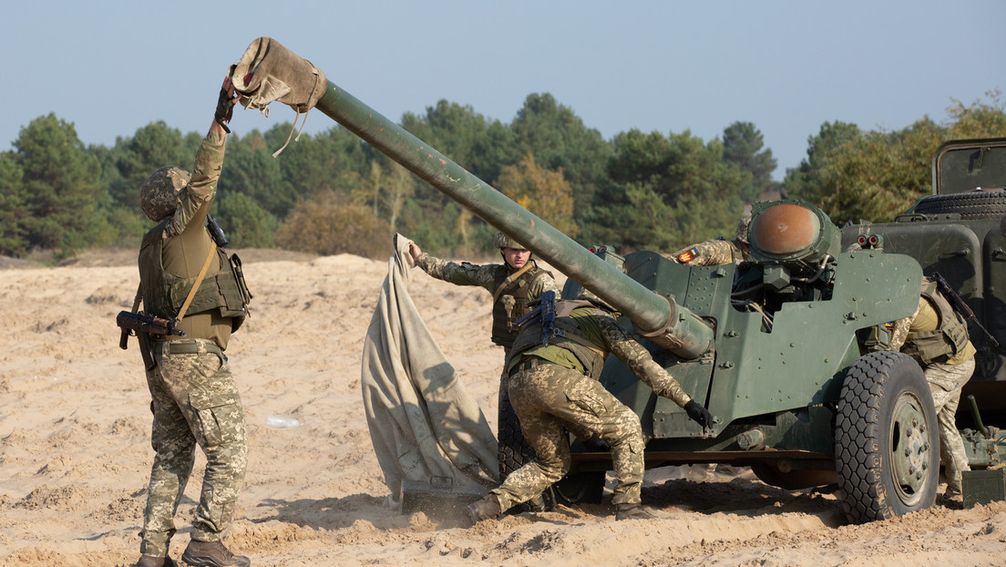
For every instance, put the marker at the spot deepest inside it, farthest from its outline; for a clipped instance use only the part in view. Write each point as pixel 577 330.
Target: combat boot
pixel 486 508
pixel 151 561
pixel 212 554
pixel 634 511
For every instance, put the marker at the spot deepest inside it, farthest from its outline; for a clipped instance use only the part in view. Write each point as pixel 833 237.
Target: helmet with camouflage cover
pixel 587 295
pixel 742 227
pixel 159 192
pixel 501 240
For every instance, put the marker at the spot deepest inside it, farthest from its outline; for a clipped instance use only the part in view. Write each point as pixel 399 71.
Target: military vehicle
pixel 959 232
pixel 775 348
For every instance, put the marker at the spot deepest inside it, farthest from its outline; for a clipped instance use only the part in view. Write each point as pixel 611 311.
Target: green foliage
pixel 134 159
pixel 59 185
pixel 245 222
pixel 325 224
pixel 875 176
pixel 12 241
pixel 743 146
pixel 559 140
pixel 667 191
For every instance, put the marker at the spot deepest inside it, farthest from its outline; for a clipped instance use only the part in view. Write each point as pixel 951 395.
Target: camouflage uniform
pixel 946 377
pixel 512 297
pixel 555 387
pixel 194 397
pixel 717 252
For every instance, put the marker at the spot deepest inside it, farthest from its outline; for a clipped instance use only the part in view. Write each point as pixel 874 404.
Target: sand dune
pixel 75 451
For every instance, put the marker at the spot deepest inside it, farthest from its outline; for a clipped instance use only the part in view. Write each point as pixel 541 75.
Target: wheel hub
pixel 910 449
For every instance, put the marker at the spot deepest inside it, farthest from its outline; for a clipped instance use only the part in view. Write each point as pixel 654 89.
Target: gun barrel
pixel 654 316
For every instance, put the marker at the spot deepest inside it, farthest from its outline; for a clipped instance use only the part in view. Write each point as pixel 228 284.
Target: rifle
pixel 216 233
pixel 142 326
pixel 959 305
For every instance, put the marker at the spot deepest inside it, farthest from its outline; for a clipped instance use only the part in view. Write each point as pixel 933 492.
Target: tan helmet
pixel 159 193
pixel 742 227
pixel 501 240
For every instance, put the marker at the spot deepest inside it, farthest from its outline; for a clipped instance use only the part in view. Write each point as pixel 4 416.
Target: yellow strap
pixel 139 297
pixel 511 278
pixel 198 282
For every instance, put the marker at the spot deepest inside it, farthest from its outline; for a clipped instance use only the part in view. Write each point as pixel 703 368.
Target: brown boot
pixel 633 511
pixel 151 561
pixel 212 554
pixel 486 508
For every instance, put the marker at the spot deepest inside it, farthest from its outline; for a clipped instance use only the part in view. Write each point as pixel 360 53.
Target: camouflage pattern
pixel 741 234
pixel 945 382
pixel 202 187
pixel 549 400
pixel 713 253
pixel 195 402
pixel 159 192
pixel 501 240
pixel 551 392
pixel 482 275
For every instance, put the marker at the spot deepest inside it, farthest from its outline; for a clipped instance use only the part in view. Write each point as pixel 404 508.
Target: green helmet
pixel 159 193
pixel 501 240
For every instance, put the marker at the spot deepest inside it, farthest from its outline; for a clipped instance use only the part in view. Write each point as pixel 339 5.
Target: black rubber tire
pixel 886 408
pixel 580 488
pixel 973 205
pixel 792 480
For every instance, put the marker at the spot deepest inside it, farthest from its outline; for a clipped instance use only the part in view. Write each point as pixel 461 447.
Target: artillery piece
pixel 773 348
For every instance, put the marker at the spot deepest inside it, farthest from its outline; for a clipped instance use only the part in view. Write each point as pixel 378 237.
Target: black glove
pixel 225 109
pixel 698 413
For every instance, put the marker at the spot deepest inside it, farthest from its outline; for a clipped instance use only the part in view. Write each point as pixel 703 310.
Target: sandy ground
pixel 75 452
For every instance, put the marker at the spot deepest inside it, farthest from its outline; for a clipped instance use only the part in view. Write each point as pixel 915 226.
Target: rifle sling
pixel 510 279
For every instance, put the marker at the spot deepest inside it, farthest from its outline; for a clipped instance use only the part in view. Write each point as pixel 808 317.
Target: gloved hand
pixel 225 105
pixel 698 413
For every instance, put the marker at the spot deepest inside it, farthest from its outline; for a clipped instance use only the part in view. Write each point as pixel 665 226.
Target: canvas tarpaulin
pixel 423 423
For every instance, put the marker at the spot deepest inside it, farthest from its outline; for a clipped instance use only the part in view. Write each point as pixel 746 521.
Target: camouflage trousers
pixel 548 398
pixel 195 401
pixel 945 383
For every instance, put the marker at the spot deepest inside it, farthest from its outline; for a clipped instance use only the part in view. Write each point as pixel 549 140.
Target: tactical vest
pixel 947 340
pixel 569 336
pixel 503 331
pixel 164 293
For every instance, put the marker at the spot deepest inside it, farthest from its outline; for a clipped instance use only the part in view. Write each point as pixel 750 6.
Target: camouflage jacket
pixel 601 329
pixel 710 253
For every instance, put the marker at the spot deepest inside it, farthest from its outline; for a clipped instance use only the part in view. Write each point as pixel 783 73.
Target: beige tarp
pixel 424 425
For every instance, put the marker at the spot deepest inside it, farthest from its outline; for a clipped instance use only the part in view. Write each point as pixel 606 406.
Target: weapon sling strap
pixel 198 282
pixel 510 279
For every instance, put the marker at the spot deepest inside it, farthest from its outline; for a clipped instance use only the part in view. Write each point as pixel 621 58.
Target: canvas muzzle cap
pixel 159 192
pixel 503 241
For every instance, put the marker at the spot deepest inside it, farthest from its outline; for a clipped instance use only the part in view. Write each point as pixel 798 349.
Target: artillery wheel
pixel 580 488
pixel 972 205
pixel 887 447
pixel 513 451
pixel 792 480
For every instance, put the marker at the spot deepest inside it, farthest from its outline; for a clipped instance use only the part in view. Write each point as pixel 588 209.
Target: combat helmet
pixel 159 192
pixel 742 227
pixel 587 295
pixel 501 240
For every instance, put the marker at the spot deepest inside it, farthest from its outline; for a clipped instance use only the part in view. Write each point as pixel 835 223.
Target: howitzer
pixel 784 368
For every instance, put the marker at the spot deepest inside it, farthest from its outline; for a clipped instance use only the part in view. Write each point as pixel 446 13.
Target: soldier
pixel 555 385
pixel 194 397
pixel 515 283
pixel 719 251
pixel 936 336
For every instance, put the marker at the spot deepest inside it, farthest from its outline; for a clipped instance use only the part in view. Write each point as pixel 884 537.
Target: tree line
pixel 331 193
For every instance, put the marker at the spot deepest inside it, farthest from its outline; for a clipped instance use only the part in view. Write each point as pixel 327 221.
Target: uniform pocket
pixel 588 402
pixel 216 412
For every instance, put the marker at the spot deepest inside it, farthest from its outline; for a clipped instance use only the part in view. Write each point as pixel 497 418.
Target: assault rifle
pixel 142 326
pixel 960 306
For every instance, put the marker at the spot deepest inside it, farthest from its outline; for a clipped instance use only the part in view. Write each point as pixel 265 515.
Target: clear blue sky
pixel 786 66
